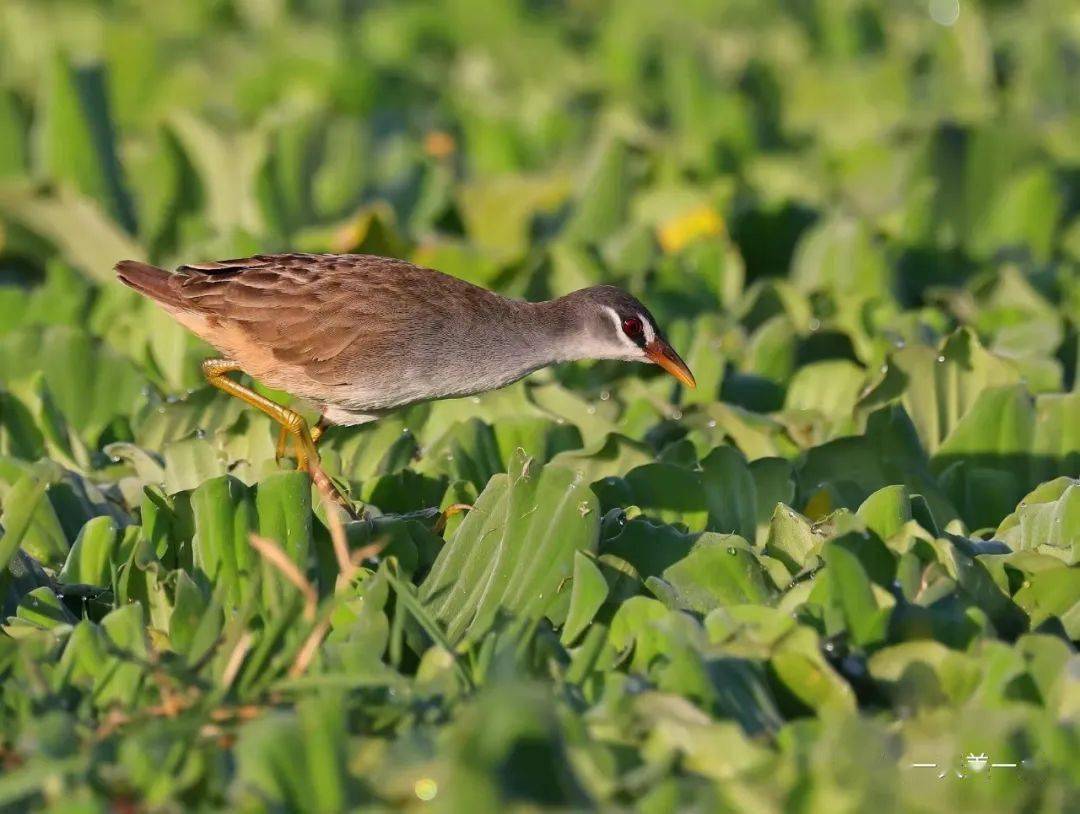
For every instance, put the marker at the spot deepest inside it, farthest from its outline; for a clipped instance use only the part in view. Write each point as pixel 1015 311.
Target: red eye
pixel 632 327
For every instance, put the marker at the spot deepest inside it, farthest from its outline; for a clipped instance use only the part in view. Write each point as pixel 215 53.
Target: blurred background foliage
pixel 854 547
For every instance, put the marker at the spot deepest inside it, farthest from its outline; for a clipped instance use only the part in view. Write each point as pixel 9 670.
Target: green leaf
pixel 227 164
pixel 42 607
pixel 91 385
pixel 888 453
pixel 865 617
pixel 380 448
pixel 840 254
pixel 799 665
pixel 830 387
pixel 595 419
pixel 468 451
pixel 14 136
pixel 76 139
pixel 612 456
pixel 90 561
pixel 19 435
pixel 513 549
pixel 770 352
pixel 705 358
pixel 191 462
pixel 272 762
pixel 1023 215
pixel 998 425
pixel 649 547
pixel 939 387
pixel 166 192
pixel 631 627
pixel 1054 593
pixel 30 523
pixel 84 656
pixel 603 195
pixel 283 508
pixel 499 210
pixel 61 440
pixel 588 592
pixel 668 492
pixel 791 539
pixel 774 483
pixel 283 515
pixel 224 515
pixel 119 678
pixel 719 570
pixel 1047 520
pixel 1055 448
pixel 731 493
pixel 84 235
pixel 924 673
pixel 408 491
pixel 540 438
pixel 886 511
pixel 189 610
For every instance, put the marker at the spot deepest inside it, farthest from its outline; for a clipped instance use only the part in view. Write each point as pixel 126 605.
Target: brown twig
pixel 318 633
pixel 346 569
pixel 115 719
pixel 242 713
pixel 236 658
pixel 348 564
pixel 309 648
pixel 366 553
pixel 274 554
pixel 172 702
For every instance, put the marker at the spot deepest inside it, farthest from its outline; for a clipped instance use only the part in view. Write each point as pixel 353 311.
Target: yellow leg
pixel 282 441
pixel 292 423
pixel 283 438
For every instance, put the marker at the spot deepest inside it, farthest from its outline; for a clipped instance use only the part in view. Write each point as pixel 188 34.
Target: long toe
pixel 330 491
pixel 282 441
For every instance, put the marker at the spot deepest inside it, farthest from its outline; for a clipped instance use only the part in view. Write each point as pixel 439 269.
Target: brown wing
pixel 310 309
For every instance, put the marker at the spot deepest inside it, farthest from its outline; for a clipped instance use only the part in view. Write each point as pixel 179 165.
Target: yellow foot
pixel 283 440
pixel 330 492
pixel 292 423
pixel 447 513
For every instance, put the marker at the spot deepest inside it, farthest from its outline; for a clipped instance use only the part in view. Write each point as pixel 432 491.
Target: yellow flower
pixel 688 226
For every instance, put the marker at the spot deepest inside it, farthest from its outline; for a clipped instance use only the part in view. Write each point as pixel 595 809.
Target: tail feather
pixel 155 283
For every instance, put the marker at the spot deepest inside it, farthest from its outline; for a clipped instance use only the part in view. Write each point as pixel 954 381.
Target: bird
pixel 359 336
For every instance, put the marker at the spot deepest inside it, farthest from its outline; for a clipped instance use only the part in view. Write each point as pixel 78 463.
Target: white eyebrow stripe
pixel 650 334
pixel 615 318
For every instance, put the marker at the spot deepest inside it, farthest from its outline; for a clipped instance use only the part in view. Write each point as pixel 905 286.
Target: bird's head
pixel 612 324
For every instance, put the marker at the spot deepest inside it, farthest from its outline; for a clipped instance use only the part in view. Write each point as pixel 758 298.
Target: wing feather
pixel 325 312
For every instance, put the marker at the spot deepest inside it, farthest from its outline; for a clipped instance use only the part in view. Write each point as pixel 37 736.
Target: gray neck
pixel 552 331
pixel 532 335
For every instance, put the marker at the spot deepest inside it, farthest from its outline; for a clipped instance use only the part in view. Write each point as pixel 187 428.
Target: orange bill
pixel 661 353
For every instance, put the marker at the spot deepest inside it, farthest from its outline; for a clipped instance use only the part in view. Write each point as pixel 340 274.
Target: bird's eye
pixel 632 327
